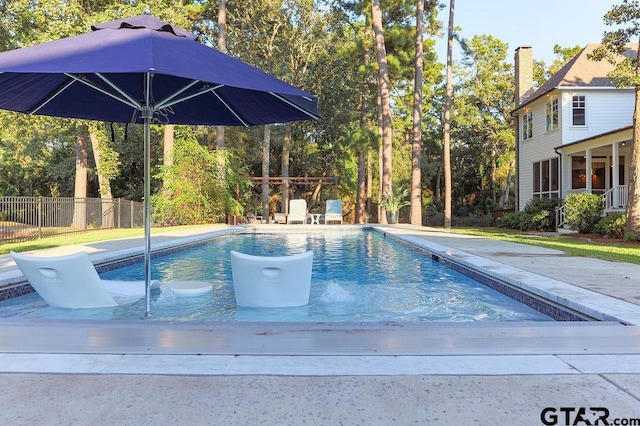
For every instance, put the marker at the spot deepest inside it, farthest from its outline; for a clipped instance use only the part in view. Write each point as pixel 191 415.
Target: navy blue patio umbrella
pixel 143 70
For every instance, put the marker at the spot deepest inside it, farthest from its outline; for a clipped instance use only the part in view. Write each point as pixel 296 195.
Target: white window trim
pixel 586 118
pixel 548 124
pixel 551 193
pixel 527 123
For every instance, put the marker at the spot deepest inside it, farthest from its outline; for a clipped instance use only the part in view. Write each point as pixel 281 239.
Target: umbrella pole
pixel 146 115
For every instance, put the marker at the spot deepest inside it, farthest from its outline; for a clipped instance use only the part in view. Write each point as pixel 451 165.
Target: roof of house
pixel 580 71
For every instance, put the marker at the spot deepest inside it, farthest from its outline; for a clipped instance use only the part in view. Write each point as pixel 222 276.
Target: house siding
pixel 539 147
pixel 606 110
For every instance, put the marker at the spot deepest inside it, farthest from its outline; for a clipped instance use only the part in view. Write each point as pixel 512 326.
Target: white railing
pixel 616 197
pixel 560 216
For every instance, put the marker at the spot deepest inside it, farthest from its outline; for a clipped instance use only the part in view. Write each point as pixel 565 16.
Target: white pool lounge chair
pixel 333 211
pixel 71 281
pixel 297 211
pixel 271 281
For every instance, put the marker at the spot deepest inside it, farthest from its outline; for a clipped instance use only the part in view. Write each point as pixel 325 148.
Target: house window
pixel 579 110
pixel 545 179
pixel 552 115
pixel 527 126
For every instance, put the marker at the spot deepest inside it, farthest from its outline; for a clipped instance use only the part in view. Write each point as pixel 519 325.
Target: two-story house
pixel 573 133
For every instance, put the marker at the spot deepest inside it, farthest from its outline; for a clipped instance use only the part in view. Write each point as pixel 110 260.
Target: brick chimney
pixel 524 73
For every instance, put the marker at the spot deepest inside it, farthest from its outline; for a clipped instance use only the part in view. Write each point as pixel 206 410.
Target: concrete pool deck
pixel 135 372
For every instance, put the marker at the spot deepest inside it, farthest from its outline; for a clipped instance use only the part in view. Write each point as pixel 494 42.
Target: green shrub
pixel 512 220
pixel 612 225
pixel 542 213
pixel 538 214
pixel 583 212
pixel 632 236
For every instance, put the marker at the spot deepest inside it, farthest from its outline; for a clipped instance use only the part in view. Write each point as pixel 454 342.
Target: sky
pixel 540 24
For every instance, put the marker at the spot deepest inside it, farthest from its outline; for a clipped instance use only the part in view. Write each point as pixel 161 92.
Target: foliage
pixel 199 188
pixel 395 200
pixel 632 235
pixel 483 140
pixel 583 212
pixel 538 214
pixel 515 220
pixel 612 225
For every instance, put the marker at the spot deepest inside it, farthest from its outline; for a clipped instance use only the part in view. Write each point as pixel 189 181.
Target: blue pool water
pixel 357 276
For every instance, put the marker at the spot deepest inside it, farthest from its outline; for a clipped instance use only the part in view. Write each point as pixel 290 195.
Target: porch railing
pixel 616 197
pixel 560 216
pixel 27 218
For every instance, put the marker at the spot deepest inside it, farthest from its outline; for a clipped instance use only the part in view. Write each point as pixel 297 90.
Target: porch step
pixel 564 229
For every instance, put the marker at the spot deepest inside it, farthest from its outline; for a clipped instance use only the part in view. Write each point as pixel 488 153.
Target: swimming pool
pixel 357 276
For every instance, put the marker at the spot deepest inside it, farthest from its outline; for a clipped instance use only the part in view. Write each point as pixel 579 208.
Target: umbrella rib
pixel 294 105
pixel 166 103
pixel 132 102
pixel 229 108
pixel 171 100
pixel 94 86
pixel 49 99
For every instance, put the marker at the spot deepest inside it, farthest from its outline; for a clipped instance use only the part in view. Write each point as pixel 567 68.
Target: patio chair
pixel 271 281
pixel 297 211
pixel 71 281
pixel 333 212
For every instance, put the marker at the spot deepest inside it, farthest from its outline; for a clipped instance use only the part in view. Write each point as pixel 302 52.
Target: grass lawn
pixel 618 250
pixel 84 237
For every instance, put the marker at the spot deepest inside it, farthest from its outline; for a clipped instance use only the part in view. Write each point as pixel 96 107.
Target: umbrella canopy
pixel 101 75
pixel 143 70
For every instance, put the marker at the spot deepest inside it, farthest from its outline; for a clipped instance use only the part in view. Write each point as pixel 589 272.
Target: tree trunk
pixel 167 144
pixel 504 199
pixel 369 181
pixel 80 188
pixel 447 122
pixel 361 195
pixel 107 206
pixel 286 152
pixel 385 99
pixel 416 129
pixel 266 146
pixel 633 203
pixel 222 46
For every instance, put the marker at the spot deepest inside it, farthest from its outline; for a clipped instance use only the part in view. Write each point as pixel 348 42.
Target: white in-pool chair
pixel 333 211
pixel 271 281
pixel 297 211
pixel 71 281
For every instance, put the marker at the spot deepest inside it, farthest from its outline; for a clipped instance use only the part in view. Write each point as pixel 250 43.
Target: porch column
pixel 588 168
pixel 566 181
pixel 615 173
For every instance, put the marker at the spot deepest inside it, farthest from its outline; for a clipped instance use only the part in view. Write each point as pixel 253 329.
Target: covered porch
pixel 598 165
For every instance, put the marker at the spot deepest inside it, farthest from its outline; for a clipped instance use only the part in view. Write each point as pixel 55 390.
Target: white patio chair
pixel 297 211
pixel 333 211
